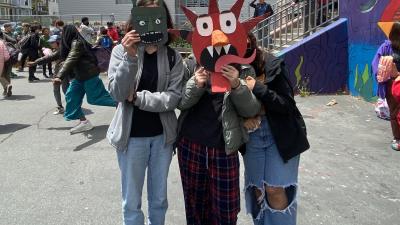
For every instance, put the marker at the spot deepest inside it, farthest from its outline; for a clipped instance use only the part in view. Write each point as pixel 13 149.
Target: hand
pixel 252 124
pixel 232 74
pixel 201 77
pixel 132 97
pixel 30 64
pixel 56 81
pixel 385 68
pixel 129 42
pixel 250 82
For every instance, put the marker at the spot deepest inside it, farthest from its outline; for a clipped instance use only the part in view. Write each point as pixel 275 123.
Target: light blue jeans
pixel 264 166
pixel 142 153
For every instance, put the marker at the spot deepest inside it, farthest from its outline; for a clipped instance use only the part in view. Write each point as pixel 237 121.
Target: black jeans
pixel 49 66
pixel 33 55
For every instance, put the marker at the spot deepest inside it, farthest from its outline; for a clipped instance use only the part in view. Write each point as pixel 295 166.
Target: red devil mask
pixel 219 39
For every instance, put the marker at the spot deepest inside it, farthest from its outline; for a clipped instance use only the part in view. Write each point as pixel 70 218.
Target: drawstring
pixel 207 158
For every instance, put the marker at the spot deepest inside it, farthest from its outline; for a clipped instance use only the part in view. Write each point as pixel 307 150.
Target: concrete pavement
pixel 49 177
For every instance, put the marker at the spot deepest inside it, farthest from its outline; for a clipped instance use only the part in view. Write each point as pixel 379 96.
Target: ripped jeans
pixel 264 167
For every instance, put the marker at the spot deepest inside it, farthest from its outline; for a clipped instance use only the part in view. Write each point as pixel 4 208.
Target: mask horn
pixel 213 7
pixel 250 24
pixel 237 7
pixel 192 17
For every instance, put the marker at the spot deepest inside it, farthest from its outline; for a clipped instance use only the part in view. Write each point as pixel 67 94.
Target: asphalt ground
pixel 350 176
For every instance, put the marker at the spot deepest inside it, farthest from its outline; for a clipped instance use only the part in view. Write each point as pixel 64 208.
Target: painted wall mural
pixel 320 62
pixel 365 37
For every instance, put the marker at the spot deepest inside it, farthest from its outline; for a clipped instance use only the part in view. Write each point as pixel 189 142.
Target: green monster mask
pixel 150 23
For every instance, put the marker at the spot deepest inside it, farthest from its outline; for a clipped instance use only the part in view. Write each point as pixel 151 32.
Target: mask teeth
pixel 218 49
pixel 227 48
pixel 211 50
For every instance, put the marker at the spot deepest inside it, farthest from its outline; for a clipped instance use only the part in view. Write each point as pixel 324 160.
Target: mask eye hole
pixel 142 23
pixel 158 21
pixel 228 22
pixel 204 26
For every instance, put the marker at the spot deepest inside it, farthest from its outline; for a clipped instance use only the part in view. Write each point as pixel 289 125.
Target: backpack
pixel 106 42
pixel 13 51
pixel 103 56
pixel 24 43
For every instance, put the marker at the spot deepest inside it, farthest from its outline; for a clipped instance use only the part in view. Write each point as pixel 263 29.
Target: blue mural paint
pixel 361 56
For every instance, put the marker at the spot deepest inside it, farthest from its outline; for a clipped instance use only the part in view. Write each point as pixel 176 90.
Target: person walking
pixel 112 32
pixel 385 70
pixel 104 39
pixel 58 83
pixel 25 32
pixel 86 31
pixel 4 75
pixel 80 61
pixel 262 8
pixel 30 47
pixel 44 43
pixel 147 82
pixel 277 138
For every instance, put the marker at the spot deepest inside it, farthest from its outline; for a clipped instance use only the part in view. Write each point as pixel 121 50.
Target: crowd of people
pixel 67 49
pixel 258 117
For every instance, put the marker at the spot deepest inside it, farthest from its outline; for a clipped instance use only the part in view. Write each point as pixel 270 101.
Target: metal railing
pixel 295 21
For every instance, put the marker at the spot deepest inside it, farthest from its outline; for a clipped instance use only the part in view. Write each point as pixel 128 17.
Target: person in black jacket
pixel 277 137
pixel 58 83
pixel 32 51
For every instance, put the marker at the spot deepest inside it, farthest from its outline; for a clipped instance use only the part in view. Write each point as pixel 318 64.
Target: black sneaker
pixel 45 76
pixel 35 78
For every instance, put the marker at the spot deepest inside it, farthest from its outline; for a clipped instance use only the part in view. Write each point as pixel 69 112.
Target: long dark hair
pixel 170 25
pixel 69 34
pixel 259 63
pixel 394 36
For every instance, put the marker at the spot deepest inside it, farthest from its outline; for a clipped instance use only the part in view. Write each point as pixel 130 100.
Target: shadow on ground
pixel 12 127
pixel 94 136
pixel 19 97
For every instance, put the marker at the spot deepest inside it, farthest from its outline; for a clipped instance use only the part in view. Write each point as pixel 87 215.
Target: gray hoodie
pixel 124 73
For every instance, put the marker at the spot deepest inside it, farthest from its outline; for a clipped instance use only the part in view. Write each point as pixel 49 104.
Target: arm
pixel 191 94
pixel 244 101
pixel 47 59
pixel 121 74
pixel 9 39
pixel 383 50
pixel 72 59
pixel 277 95
pixel 166 100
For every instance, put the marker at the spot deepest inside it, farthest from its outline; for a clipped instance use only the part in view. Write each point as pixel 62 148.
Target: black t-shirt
pixel 144 123
pixel 203 124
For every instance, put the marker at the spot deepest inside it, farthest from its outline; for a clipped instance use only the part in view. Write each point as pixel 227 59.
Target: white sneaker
pixel 82 127
pixel 60 110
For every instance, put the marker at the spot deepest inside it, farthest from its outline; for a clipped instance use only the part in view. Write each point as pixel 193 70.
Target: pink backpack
pixel 4 52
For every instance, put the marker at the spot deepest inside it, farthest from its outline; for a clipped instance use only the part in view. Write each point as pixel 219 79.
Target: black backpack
pixel 13 51
pixel 24 43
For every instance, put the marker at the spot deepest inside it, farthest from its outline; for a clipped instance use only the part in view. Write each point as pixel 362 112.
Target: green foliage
pixel 181 43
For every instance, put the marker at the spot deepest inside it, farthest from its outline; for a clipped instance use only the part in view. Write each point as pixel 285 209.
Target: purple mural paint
pixel 363 26
pixel 320 62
